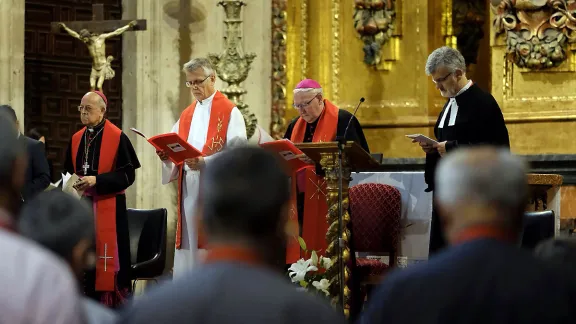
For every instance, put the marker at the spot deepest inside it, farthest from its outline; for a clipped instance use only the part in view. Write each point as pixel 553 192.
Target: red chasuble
pixel 107 264
pixel 315 208
pixel 215 142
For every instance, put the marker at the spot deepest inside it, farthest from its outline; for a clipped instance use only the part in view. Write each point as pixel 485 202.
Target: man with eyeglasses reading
pixel 104 159
pixel 210 124
pixel 470 116
pixel 319 120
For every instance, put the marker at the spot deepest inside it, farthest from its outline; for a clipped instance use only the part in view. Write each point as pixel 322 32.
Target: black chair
pixel 147 243
pixel 538 226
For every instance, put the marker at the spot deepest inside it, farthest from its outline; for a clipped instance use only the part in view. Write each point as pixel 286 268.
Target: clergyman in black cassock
pixel 87 151
pixel 470 116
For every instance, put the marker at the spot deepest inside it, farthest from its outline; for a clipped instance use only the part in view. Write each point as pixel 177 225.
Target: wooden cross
pixel 98 24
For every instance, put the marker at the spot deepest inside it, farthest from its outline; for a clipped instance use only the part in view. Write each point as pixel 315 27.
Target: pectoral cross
pixel 86 166
pixel 105 257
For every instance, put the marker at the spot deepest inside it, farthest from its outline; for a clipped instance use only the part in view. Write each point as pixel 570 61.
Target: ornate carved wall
pixel 537 99
pixel 57 72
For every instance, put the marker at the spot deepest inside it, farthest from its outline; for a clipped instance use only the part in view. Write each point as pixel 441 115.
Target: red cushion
pixel 375 217
pixel 370 267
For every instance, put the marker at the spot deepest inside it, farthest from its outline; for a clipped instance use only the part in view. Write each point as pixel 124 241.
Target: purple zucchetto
pixel 308 84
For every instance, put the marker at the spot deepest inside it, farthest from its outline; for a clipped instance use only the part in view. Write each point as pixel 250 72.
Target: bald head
pixel 92 109
pixel 482 185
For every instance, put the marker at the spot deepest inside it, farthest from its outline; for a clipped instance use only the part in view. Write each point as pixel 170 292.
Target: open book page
pixel 422 139
pixel 138 132
pixel 294 158
pixel 68 181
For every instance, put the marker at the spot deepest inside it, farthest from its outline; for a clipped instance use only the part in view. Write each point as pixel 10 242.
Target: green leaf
pixel 314 258
pixel 302 243
pixel 303 284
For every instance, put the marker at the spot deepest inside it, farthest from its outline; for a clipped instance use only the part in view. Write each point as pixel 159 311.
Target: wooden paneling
pixel 57 72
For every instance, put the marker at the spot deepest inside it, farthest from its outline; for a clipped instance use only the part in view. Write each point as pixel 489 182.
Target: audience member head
pixel 62 224
pixel 200 78
pixel 308 100
pixel 92 108
pixel 11 115
pixel 245 194
pixel 558 252
pixel 13 163
pixel 481 186
pixel 34 133
pixel 447 68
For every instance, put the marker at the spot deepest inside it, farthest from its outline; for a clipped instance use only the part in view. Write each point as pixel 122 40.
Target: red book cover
pixel 294 158
pixel 177 148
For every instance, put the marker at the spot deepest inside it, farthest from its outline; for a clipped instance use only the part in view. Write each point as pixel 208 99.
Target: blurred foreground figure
pixel 484 276
pixel 65 225
pixel 559 253
pixel 245 195
pixel 35 287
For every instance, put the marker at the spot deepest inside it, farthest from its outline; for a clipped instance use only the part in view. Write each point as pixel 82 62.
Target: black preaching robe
pixel 108 183
pixel 479 122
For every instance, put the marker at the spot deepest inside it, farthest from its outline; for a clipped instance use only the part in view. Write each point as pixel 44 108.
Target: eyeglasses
pixel 304 105
pixel 190 84
pixel 85 108
pixel 442 79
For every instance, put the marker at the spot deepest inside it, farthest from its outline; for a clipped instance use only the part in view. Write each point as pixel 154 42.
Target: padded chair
pixel 538 226
pixel 375 219
pixel 147 243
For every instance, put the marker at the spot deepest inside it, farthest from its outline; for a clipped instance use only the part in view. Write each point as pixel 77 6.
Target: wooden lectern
pixel 354 159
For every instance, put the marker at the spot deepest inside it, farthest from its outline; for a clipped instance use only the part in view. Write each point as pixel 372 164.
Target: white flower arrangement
pixel 310 272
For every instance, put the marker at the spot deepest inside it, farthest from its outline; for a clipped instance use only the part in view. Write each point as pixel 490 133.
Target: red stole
pixel 315 208
pixel 215 142
pixel 104 208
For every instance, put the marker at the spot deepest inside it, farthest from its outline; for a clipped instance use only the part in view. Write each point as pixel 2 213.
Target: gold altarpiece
pixel 538 105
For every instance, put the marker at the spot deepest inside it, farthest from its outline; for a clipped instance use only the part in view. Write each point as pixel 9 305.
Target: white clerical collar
pixel 464 88
pixel 207 101
pixel 453 105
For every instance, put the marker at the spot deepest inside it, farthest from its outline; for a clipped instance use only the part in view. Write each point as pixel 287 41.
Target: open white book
pixel 260 136
pixel 68 182
pixel 422 139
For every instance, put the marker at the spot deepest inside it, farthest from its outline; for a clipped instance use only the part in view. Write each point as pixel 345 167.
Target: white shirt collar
pixel 208 100
pixel 464 88
pixel 453 105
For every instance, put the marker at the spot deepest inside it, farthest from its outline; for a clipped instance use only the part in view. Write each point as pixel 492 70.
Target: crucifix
pixel 94 34
pixel 105 257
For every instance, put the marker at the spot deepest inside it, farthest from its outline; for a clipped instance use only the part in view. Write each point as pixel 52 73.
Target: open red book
pixel 294 158
pixel 177 148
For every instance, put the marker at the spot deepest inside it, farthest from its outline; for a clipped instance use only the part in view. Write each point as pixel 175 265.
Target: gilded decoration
pixel 538 32
pixel 233 65
pixel 375 23
pixel 279 78
pixel 468 18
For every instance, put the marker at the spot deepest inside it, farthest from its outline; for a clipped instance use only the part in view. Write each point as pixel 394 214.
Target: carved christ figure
pixel 96 43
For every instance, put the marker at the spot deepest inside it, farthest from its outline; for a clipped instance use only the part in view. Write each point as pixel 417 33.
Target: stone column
pixel 12 56
pixel 151 91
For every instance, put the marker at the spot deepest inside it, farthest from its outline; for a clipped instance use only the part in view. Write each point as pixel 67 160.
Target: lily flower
pixel 298 270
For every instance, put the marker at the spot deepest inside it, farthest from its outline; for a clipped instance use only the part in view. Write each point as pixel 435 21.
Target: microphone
pixel 352 117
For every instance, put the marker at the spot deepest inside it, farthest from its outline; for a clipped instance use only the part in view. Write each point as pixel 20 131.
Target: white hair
pixel 316 91
pixel 482 176
pixel 447 57
pixel 197 63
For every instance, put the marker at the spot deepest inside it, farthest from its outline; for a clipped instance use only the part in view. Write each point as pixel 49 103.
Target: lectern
pixel 354 159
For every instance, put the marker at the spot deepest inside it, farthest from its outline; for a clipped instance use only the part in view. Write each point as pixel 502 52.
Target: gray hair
pixel 10 147
pixel 197 63
pixel 482 176
pixel 447 57
pixel 316 91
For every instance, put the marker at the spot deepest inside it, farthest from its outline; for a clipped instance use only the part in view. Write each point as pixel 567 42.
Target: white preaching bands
pixel 454 106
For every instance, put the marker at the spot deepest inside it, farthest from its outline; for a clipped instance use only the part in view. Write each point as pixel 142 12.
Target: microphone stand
pixel 341 146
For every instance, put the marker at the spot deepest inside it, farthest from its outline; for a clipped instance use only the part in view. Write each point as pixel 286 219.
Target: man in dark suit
pixel 470 116
pixel 37 172
pixel 484 276
pixel 245 207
